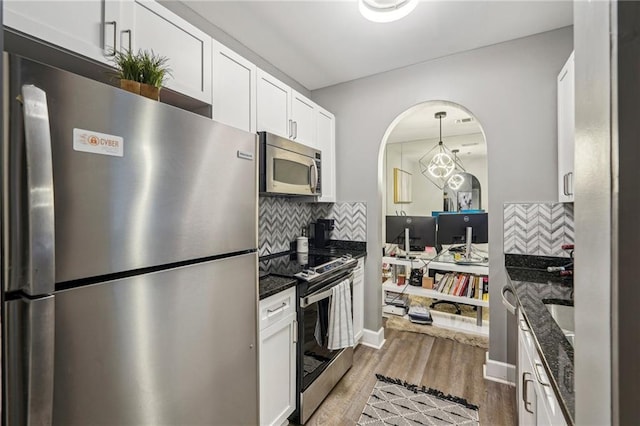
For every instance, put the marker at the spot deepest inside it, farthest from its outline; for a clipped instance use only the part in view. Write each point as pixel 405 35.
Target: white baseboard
pixel 500 372
pixel 373 339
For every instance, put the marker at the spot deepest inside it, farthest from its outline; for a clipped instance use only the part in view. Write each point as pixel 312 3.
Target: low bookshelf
pixel 440 266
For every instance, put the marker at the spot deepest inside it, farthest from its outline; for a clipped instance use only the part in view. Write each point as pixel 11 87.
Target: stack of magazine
pixel 420 315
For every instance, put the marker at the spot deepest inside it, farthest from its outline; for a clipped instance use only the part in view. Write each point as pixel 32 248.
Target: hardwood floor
pixel 443 364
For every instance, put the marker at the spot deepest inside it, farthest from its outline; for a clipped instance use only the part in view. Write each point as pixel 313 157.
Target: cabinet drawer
pixel 276 307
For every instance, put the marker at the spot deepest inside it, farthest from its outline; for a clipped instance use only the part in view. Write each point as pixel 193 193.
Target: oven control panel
pixel 318 271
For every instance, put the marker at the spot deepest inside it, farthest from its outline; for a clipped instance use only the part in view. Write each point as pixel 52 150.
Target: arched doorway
pixel 408 188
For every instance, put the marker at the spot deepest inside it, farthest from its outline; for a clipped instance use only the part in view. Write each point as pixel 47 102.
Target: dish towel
pixel 340 317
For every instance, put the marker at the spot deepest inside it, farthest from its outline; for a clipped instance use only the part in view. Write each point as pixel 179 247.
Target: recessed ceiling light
pixel 386 10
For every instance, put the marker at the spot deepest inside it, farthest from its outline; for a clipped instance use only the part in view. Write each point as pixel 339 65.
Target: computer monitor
pixel 422 231
pixel 452 227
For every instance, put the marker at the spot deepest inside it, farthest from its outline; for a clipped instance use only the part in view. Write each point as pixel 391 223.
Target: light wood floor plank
pixel 442 364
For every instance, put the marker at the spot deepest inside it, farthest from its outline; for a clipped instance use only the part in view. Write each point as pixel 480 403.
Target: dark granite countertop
pixel 273 284
pixel 533 285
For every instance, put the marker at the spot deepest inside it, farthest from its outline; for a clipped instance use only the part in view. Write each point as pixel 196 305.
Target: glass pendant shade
pixel 439 162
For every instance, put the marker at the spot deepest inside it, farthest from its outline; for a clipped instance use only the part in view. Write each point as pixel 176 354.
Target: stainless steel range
pixel 319 368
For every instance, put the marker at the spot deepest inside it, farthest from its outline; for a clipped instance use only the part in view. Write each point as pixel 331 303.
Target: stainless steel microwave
pixel 288 167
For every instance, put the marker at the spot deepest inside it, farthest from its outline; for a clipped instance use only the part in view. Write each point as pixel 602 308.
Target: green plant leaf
pixel 145 67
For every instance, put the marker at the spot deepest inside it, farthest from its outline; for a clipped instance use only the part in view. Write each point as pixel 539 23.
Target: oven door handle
pixel 321 294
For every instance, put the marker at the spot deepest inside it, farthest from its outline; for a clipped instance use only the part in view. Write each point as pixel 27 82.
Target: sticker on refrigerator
pixel 97 143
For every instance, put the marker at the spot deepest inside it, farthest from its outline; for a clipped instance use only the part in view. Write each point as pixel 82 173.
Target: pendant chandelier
pixel 439 162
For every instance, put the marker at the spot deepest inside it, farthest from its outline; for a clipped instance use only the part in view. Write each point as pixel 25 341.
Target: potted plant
pixel 128 67
pixel 153 73
pixel 142 73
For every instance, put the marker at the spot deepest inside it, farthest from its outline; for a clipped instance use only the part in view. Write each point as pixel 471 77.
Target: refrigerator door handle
pixel 41 236
pixel 31 367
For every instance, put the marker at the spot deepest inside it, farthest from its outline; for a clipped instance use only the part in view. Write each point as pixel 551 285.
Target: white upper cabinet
pixel 566 130
pixel 153 27
pixel 273 99
pixel 234 89
pixel 78 26
pixel 303 120
pixel 325 141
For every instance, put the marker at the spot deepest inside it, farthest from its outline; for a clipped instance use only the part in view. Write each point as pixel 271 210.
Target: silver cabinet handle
pixel 525 397
pixel 564 184
pixel 32 337
pixel 538 365
pixel 128 32
pixel 107 52
pixel 281 307
pixel 523 326
pixel 290 128
pixel 295 127
pixel 295 331
pixel 40 251
pixel 511 308
pixel 570 183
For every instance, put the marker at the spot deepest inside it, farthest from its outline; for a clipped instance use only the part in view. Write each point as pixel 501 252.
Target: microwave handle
pixel 314 176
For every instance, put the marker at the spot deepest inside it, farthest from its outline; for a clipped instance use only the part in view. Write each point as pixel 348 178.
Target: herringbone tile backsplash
pixel 538 228
pixel 281 221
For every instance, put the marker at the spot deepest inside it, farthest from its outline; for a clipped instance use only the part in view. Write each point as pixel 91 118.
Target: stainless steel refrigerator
pixel 129 258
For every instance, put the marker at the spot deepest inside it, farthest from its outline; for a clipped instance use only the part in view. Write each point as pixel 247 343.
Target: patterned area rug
pixel 395 402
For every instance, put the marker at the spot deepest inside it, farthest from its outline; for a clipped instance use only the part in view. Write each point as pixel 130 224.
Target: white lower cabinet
pixel 537 402
pixel 358 301
pixel 278 335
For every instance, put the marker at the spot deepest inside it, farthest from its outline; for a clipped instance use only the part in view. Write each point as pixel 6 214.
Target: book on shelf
pixel 462 285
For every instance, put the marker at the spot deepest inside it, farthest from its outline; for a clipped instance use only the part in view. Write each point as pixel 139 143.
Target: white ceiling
pixel 322 43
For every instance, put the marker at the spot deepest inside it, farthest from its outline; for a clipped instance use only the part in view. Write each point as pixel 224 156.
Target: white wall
pixel 511 89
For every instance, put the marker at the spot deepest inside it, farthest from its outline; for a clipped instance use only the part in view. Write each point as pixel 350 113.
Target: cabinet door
pixel 325 123
pixel 234 89
pixel 358 300
pixel 278 371
pixel 303 119
pixel 566 130
pixel 527 399
pixel 78 26
pixel 273 101
pixel 188 49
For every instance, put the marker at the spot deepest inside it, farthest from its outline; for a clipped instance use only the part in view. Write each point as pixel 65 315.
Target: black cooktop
pixel 289 264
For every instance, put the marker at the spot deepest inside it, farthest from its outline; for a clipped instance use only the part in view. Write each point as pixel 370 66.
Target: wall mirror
pixel 416 136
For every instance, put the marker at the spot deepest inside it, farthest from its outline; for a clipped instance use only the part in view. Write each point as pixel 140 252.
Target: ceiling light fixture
pixel 439 166
pixel 386 10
